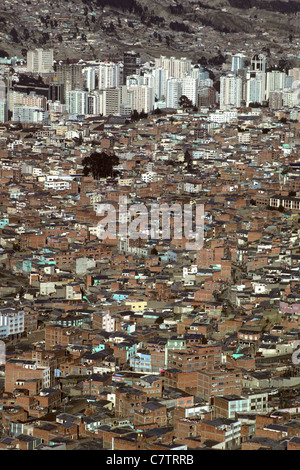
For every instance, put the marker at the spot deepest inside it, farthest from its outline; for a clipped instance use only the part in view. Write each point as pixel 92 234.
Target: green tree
pixel 100 165
pixel 185 103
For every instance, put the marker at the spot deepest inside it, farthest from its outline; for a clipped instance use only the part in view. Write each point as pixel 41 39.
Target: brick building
pixel 128 400
pixel 196 358
pixel 151 413
pixel 26 375
pixel 57 335
pixel 223 381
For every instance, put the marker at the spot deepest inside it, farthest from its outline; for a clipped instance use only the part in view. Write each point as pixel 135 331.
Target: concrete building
pixel 230 91
pixel 40 61
pixel 109 75
pixel 11 322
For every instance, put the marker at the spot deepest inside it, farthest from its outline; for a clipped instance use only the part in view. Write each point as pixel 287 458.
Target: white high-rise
pixel 77 102
pixel 189 89
pixel 173 93
pixel 89 77
pixel 40 61
pixel 160 82
pixel 109 75
pixel 255 92
pixel 230 91
pixel 275 81
pixel 176 68
pixel 141 98
pixel 237 62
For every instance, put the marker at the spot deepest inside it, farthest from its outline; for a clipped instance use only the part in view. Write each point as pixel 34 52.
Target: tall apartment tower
pixel 189 89
pixel 132 62
pixel 160 81
pixel 70 75
pixel 230 91
pixel 40 61
pixel 3 102
pixel 255 90
pixel 109 75
pixel 89 78
pixel 177 68
pixel 77 102
pixel 173 93
pixel 237 62
pixel 110 101
pixel 141 98
pixel 275 81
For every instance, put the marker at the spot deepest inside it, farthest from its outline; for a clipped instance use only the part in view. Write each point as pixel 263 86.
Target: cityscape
pixel 150 227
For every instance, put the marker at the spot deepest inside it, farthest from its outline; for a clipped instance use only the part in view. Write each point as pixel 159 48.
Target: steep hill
pixel 94 28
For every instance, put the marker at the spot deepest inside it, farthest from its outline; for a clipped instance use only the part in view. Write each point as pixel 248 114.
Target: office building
pixel 160 82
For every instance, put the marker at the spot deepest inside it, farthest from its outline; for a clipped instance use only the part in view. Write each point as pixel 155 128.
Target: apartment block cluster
pixel 254 84
pixel 143 344
pixel 102 87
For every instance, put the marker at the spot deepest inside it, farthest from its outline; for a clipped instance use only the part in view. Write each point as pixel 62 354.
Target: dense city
pixel 116 336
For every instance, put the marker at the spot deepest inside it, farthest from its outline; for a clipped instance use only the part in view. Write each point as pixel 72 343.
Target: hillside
pixel 105 28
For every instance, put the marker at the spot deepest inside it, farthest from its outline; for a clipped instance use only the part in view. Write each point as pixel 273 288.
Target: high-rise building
pixel 40 61
pixel 255 89
pixel 3 102
pixel 70 75
pixel 189 89
pixel 206 97
pixel 275 99
pixel 275 81
pixel 132 62
pixel 109 75
pixel 237 62
pixel 258 63
pixel 160 82
pixel 294 73
pixel 177 68
pixel 230 91
pixel 141 98
pixel 77 102
pixel 57 92
pixel 173 93
pixel 110 101
pixel 89 78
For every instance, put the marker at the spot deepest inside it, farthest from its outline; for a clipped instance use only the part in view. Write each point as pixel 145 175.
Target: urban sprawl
pixel 141 343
